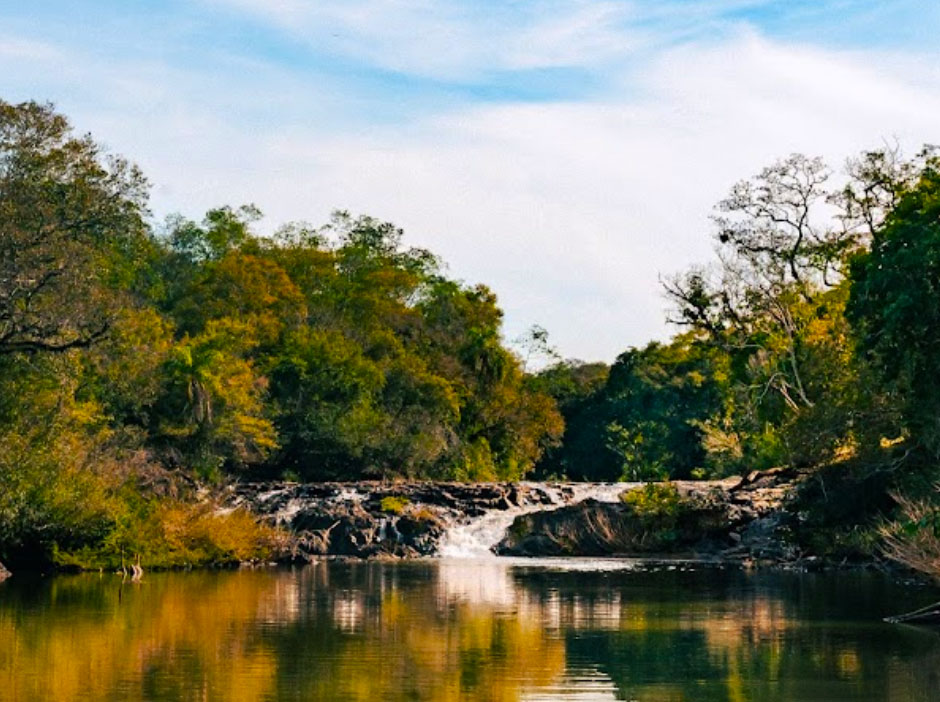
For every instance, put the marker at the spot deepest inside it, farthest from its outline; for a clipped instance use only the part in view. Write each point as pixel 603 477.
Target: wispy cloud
pixel 18 49
pixel 569 205
pixel 460 40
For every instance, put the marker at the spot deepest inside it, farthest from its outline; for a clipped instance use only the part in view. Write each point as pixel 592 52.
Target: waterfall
pixel 476 537
pixel 283 503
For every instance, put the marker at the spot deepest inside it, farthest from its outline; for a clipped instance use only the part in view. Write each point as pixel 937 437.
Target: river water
pixel 490 629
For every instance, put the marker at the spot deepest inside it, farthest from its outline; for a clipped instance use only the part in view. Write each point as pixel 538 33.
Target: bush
pixel 653 501
pixel 656 507
pixel 170 533
pixel 394 504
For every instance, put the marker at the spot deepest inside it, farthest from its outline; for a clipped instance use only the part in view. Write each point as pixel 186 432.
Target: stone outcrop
pixel 738 518
pixel 367 520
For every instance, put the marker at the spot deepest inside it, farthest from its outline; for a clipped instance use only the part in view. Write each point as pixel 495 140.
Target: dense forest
pixel 138 358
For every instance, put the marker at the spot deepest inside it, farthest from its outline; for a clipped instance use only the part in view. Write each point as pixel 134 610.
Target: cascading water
pixel 283 504
pixel 407 520
pixel 476 537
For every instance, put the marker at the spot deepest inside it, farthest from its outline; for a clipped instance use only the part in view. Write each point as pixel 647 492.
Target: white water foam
pixel 284 515
pixel 476 537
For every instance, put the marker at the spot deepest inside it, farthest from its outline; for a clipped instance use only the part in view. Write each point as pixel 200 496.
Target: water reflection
pixel 462 630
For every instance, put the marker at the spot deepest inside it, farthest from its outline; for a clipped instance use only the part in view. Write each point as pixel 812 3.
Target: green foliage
pixel 657 502
pixel 53 482
pixel 895 305
pixel 657 509
pixel 339 353
pixel 642 419
pixel 71 233
pixel 169 533
pixel 316 353
pixel 394 504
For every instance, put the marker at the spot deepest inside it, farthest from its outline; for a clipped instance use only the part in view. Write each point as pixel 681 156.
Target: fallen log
pixel 925 615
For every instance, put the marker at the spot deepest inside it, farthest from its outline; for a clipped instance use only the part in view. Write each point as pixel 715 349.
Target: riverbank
pixel 752 520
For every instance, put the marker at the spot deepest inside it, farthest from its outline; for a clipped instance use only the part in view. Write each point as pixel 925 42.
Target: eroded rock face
pixel 736 518
pixel 367 520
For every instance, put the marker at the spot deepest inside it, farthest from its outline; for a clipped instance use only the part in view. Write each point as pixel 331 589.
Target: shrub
pixel 170 533
pixel 394 504
pixel 653 501
pixel 423 514
pixel 656 507
pixel 915 539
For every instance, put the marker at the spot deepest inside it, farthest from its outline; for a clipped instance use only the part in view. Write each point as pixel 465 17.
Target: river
pixel 487 629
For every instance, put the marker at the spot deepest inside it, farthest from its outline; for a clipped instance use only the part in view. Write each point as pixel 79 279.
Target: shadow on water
pixel 466 630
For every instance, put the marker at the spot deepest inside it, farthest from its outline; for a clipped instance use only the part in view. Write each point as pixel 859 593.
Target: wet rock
pixel 592 528
pixel 372 520
pixel 739 519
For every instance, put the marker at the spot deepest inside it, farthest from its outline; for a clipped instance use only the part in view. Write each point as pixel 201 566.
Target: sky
pixel 567 153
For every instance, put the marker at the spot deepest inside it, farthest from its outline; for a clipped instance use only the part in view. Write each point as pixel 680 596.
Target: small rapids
pixel 476 537
pixel 407 520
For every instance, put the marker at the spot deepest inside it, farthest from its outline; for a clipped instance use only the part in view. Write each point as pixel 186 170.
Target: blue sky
pixel 566 152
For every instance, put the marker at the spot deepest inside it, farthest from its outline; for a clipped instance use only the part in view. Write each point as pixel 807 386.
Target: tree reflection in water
pixel 465 630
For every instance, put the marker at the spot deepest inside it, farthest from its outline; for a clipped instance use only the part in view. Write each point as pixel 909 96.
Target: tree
pixel 71 223
pixel 775 305
pixel 212 406
pixel 895 304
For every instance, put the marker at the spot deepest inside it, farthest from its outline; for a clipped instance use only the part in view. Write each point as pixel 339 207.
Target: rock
pixel 592 528
pixel 371 519
pixel 4 573
pixel 735 519
pixel 407 520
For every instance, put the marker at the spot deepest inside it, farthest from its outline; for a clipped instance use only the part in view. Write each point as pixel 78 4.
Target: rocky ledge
pixel 368 520
pixel 742 518
pixel 738 518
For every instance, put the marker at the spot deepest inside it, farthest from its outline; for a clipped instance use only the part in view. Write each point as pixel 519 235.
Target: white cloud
pixel 17 49
pixel 446 39
pixel 569 211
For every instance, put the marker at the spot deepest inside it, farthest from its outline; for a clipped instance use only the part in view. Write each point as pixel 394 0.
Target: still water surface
pixel 464 630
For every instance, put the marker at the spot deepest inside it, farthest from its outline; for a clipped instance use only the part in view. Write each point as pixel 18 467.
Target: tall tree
pixel 71 225
pixel 895 303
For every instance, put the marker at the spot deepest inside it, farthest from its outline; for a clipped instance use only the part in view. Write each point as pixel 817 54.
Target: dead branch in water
pixel 925 615
pixel 137 570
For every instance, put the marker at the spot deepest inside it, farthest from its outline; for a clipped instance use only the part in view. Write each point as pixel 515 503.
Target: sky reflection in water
pixel 466 630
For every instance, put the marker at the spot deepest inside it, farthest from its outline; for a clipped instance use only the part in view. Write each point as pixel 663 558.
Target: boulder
pixel 373 519
pixel 592 528
pixel 732 519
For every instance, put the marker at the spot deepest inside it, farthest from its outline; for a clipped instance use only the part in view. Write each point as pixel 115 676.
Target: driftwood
pixel 137 570
pixel 929 615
